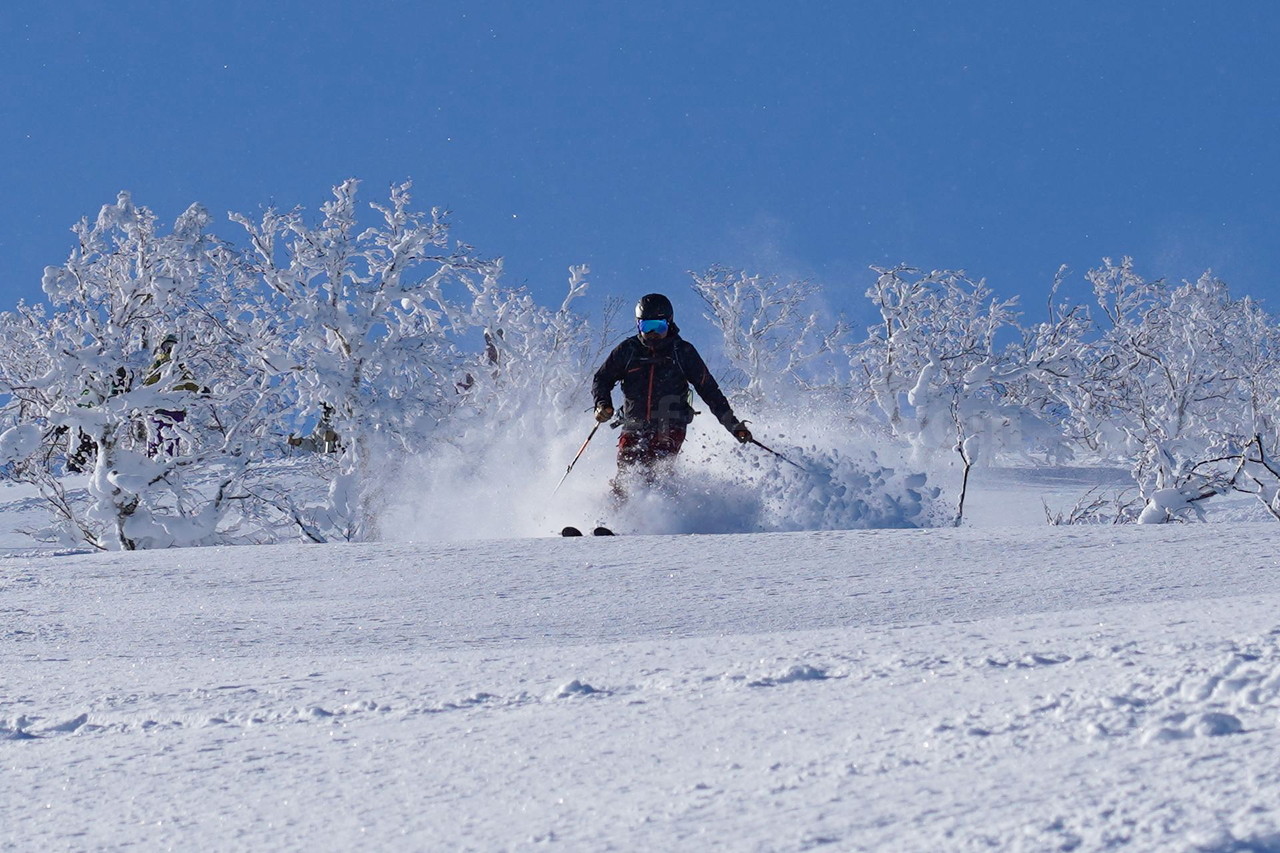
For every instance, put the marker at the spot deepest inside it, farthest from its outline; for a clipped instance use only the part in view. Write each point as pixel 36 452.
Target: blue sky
pixel 646 139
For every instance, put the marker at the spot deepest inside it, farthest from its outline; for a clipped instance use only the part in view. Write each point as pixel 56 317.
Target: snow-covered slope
pixel 1017 689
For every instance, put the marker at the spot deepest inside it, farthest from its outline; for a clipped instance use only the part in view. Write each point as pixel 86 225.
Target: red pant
pixel 649 447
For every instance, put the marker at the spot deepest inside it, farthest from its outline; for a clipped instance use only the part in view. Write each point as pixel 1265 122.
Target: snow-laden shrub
pixel 174 367
pixel 325 379
pixel 774 338
pixel 167 441
pixel 1170 377
pixel 931 364
pixel 361 330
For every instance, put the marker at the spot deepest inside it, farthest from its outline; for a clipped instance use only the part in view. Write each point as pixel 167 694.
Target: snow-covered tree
pixel 773 336
pixel 933 364
pixel 1174 375
pixel 173 366
pixel 535 359
pixel 932 358
pixel 364 335
pixel 141 385
pixel 165 395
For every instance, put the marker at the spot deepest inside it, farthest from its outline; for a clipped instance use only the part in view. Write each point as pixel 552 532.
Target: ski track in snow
pixel 1016 689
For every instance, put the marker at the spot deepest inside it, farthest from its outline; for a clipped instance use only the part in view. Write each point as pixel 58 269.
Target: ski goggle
pixel 652 327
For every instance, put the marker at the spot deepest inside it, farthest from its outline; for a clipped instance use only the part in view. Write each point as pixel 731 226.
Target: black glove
pixel 604 411
pixel 741 432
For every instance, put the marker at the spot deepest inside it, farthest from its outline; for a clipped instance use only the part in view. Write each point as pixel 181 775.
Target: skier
pixel 656 367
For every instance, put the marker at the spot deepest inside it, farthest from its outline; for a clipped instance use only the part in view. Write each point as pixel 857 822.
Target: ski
pixel 599 531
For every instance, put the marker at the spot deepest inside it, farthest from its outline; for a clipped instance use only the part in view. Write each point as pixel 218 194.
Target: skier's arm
pixel 699 376
pixel 609 374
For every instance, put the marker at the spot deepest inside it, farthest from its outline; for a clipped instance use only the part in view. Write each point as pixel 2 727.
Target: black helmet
pixel 654 306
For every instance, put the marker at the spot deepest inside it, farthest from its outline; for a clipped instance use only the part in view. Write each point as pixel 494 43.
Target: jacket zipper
pixel 648 406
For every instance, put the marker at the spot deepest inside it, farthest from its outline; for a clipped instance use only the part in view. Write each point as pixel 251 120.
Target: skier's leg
pixel 630 450
pixel 666 444
pixel 648 456
pixel 657 462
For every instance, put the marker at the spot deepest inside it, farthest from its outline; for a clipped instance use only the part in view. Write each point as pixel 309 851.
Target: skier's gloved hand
pixel 603 412
pixel 741 432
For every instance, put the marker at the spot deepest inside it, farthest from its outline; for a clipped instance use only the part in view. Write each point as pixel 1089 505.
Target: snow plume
pixel 502 483
pixel 721 488
pixel 484 482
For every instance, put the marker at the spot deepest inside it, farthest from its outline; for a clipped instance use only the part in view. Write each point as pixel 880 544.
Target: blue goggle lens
pixel 649 327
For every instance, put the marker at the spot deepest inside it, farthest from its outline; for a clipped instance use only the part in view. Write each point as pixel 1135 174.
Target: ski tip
pixel 602 531
pixel 571 531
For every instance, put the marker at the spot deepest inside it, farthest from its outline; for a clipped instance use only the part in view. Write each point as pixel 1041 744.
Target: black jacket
pixel 655 383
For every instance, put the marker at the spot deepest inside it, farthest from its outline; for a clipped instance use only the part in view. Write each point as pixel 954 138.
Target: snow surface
pixel 989 687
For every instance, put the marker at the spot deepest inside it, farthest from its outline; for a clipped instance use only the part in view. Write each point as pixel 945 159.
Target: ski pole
pixel 779 455
pixel 575 458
